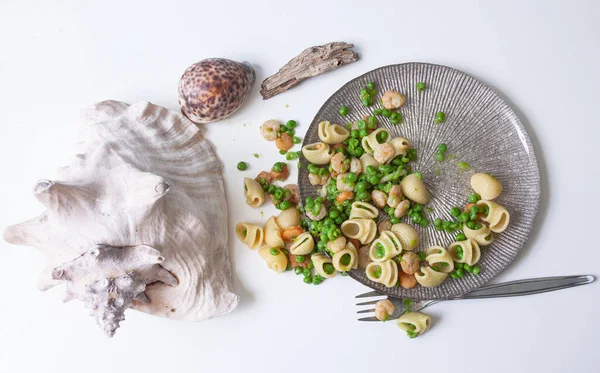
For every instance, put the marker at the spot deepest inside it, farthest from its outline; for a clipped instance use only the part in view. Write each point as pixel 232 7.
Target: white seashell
pixel 139 215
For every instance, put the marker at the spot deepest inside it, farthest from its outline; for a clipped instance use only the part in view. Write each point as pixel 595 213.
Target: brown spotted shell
pixel 214 88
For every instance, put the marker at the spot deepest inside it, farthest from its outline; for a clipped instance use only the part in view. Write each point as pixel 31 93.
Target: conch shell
pixel 138 220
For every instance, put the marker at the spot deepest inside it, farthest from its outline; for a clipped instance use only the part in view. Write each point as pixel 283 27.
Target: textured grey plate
pixel 480 129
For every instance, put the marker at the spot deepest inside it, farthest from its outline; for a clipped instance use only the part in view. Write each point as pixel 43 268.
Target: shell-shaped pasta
pixel 363 210
pixel 363 230
pixel 251 235
pixel 415 322
pixel 288 218
pixel 487 186
pixel 385 247
pixel 414 189
pixel 254 193
pixel 400 144
pixel 345 259
pixel 439 258
pixel 273 233
pixel 497 216
pixel 429 278
pixel 370 142
pixel 385 272
pixel 319 260
pixel 482 236
pixel 337 244
pixel 368 160
pixel 332 133
pixel 407 235
pixel 471 252
pixel 277 263
pixel 303 244
pixel 318 153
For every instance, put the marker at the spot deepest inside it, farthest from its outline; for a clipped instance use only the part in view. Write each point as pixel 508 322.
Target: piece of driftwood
pixel 311 62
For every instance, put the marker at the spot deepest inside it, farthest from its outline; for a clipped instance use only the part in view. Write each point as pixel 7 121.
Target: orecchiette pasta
pixel 369 142
pixel 336 245
pixel 497 216
pixel 323 265
pixel 385 247
pixel 414 189
pixel 416 323
pixel 368 160
pixel 363 210
pixel 303 244
pixel 288 218
pixel 429 278
pixel 487 186
pixel 385 272
pixel 363 230
pixel 483 236
pixel 407 235
pixel 272 231
pixel 400 144
pixel 345 259
pixel 318 153
pixel 332 133
pixel 277 262
pixel 439 259
pixel 254 193
pixel 251 235
pixel 469 251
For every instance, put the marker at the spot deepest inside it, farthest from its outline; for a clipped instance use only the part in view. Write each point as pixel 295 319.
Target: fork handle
pixel 527 287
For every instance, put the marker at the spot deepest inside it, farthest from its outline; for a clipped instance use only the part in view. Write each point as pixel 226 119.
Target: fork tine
pixel 366 311
pixel 372 318
pixel 368 303
pixel 369 294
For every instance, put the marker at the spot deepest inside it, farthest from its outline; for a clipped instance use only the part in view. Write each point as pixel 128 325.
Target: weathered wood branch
pixel 311 62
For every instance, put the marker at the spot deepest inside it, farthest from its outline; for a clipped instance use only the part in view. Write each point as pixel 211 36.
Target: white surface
pixel 56 59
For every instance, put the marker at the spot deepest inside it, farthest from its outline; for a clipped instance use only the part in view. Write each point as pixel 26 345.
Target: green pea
pixel 371 122
pixel 298 270
pixel 471 225
pixel 291 123
pixel 282 152
pixel 485 210
pixel 274 251
pixel 442 148
pixel 345 259
pixel 339 220
pixel 437 222
pixel 343 110
pixel 242 166
pixel 379 251
pixel 463 165
pixel 418 174
pixel 381 136
pixel 417 208
pixel 420 86
pixel 467 268
pixel 363 133
pixel 371 85
pixel 300 258
pixel 291 132
pixel 474 198
pixel 476 270
pixel 459 255
pixel 284 205
pixel 361 124
pixel 464 217
pixel 371 170
pixel 308 280
pixel 364 92
pixel 296 140
pixel 424 222
pixel 377 272
pixel 461 237
pixel 363 195
pixel 334 214
pixel 416 218
pixel 285 252
pixel 460 273
pixel 277 167
pixel 386 113
pixel 374 179
pixel 454 275
pixel 455 211
pixel 361 186
pixel 440 156
pixel 306 272
pixel 394 220
pixel 477 226
pixel 352 176
pixel 328 268
pixel 440 117
pixel 355 134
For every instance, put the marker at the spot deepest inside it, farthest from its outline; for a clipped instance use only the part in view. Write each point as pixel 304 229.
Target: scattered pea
pixel 242 166
pixel 343 110
pixel 274 251
pixel 440 117
pixel 420 87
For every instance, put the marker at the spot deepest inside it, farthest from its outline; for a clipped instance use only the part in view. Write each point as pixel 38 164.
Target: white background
pixel 57 57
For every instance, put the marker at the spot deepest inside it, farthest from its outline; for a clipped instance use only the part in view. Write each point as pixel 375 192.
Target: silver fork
pixel 505 289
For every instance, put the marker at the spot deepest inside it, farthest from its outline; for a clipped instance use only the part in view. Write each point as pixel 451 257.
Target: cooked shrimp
pixel 395 196
pixel 384 309
pixel 281 175
pixel 291 233
pixel 284 142
pixel 346 195
pixel 407 281
pixel 410 263
pixel 392 100
pixel 379 198
pixel 355 166
pixel 401 209
pixel 294 196
pixel 384 152
pixel 341 184
pixel 318 180
pixel 269 129
pixel 264 175
pixel 337 163
pixel 385 225
pixel 321 215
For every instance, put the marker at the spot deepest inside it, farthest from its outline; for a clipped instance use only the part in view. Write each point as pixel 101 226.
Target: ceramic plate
pixel 480 129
